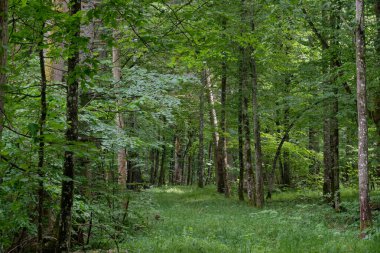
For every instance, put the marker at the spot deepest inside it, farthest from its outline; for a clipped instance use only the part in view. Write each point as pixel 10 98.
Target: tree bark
pixel 285 175
pixel 189 169
pixel 331 127
pixel 259 177
pixel 200 136
pixel 41 149
pixel 177 161
pixel 243 82
pixel 161 180
pixel 3 58
pixel 219 157
pixel 241 151
pixel 121 154
pixel 365 211
pixel 67 196
pixel 259 183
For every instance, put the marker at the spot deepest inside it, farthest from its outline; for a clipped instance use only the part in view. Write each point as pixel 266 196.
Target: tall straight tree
pixel 121 154
pixel 201 135
pixel 365 211
pixel 3 58
pixel 243 82
pixel 259 180
pixel 67 195
pixel 41 148
pixel 331 128
pixel 221 161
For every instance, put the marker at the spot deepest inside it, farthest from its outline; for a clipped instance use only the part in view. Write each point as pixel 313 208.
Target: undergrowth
pixel 184 219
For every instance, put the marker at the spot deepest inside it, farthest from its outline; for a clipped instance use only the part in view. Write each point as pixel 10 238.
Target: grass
pixel 184 219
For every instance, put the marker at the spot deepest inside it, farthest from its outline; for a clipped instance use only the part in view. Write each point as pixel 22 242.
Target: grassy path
pixel 191 220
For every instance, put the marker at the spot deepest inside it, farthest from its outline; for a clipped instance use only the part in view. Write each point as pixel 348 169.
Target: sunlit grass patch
pixel 201 220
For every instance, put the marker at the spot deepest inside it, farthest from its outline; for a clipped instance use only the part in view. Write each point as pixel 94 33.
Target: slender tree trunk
pixel 257 140
pixel 241 151
pixel 331 128
pixel 151 162
pixel 177 161
pixel 201 137
pixel 156 165
pixel 161 180
pixel 171 166
pixel 222 163
pixel 67 195
pixel 221 151
pixel 365 211
pixel 243 82
pixel 121 154
pixel 189 169
pixel 3 58
pixel 259 183
pixel 218 156
pixel 285 177
pixel 41 150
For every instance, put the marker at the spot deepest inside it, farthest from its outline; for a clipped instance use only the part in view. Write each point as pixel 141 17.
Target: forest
pixel 189 126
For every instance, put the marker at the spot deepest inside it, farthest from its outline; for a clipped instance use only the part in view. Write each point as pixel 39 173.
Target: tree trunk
pixel 259 184
pixel 285 175
pixel 3 58
pixel 156 165
pixel 365 211
pixel 41 149
pixel 241 151
pixel 201 137
pixel 243 70
pixel 152 159
pixel 121 154
pixel 218 156
pixel 177 161
pixel 67 195
pixel 221 152
pixel 331 129
pixel 161 180
pixel 189 169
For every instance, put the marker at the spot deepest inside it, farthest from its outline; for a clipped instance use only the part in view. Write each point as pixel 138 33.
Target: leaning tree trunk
pixel 3 58
pixel 365 211
pixel 67 196
pixel 121 154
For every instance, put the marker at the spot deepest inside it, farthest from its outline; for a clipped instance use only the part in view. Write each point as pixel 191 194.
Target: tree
pixel 259 177
pixel 3 58
pixel 365 211
pixel 201 135
pixel 67 195
pixel 121 154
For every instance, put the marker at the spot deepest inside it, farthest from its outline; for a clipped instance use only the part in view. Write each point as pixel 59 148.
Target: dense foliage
pixel 182 93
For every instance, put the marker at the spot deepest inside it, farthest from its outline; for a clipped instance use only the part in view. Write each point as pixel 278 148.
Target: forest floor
pixel 185 219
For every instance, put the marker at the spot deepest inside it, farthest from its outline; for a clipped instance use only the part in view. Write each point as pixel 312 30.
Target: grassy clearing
pixel 183 219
